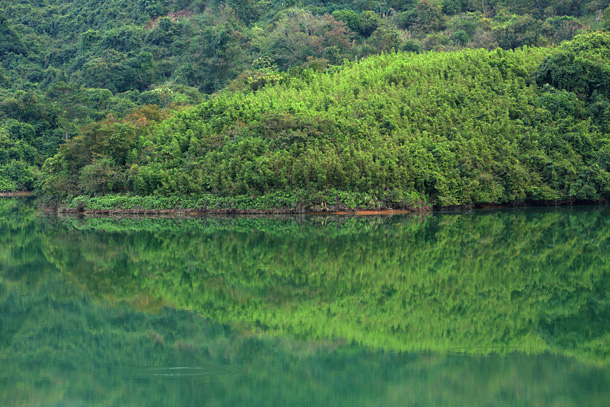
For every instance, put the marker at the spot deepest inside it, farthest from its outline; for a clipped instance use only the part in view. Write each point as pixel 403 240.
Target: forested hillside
pixel 397 130
pixel 70 67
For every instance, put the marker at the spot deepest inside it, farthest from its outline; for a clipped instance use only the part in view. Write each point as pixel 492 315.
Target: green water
pixel 488 308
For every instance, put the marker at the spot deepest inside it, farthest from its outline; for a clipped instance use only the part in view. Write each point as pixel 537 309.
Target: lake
pixel 482 308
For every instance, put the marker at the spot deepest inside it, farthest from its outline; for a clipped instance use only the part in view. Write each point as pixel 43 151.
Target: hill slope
pixel 66 64
pixel 396 130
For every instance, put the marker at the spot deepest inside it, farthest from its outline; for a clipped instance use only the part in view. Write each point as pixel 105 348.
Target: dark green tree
pixel 72 104
pixel 10 42
pixel 581 66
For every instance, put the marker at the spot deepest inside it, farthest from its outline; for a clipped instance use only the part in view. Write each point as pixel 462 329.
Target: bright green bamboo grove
pixel 396 130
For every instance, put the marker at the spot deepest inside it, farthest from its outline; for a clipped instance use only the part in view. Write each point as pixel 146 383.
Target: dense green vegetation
pixel 530 281
pixel 396 130
pixel 67 64
pixel 130 45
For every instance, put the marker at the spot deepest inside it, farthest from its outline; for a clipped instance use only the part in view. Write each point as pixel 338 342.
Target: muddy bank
pixel 312 210
pixel 15 194
pixel 232 211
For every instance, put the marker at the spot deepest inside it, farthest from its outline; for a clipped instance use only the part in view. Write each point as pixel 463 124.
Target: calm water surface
pixel 489 308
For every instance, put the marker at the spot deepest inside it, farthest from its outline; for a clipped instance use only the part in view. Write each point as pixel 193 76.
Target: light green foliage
pixel 17 156
pixel 6 185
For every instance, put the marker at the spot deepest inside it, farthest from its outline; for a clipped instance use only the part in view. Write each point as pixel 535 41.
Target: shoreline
pixel 336 210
